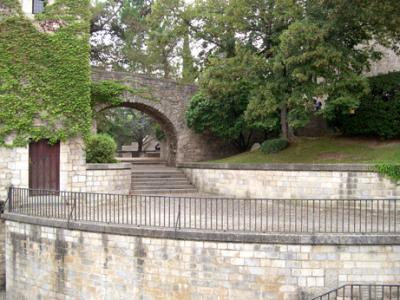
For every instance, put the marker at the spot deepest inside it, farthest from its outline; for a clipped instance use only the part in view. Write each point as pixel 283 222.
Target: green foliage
pixel 379 112
pixel 390 170
pixel 225 89
pixel 45 77
pixel 107 92
pixel 159 133
pixel 274 145
pixel 111 93
pixel 126 126
pixel 100 149
pixel 310 50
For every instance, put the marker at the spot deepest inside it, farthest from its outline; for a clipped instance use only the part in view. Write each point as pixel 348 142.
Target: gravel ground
pixel 221 214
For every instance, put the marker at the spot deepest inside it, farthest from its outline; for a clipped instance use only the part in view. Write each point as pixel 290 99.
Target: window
pixel 37 6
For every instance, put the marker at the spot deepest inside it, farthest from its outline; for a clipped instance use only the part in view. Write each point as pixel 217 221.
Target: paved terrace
pixel 213 215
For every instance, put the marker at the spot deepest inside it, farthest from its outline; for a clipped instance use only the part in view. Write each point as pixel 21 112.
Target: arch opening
pixel 168 145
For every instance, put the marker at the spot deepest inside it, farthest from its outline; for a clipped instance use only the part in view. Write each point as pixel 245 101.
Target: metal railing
pixel 362 292
pixel 216 214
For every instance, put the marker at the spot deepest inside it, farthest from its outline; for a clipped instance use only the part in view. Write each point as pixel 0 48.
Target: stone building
pixel 23 161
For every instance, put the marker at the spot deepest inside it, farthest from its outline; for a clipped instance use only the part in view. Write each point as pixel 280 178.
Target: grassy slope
pixel 326 150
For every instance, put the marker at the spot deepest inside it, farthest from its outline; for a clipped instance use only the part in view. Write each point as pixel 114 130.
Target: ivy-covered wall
pixel 44 72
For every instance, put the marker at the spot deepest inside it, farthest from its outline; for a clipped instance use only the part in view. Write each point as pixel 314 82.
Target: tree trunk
pixel 284 122
pixel 140 145
pixel 286 131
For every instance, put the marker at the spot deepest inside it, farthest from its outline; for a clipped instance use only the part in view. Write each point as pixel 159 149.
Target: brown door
pixel 44 166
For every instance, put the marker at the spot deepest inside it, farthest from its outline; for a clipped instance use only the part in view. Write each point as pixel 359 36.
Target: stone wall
pixel 56 263
pixel 73 165
pixel 74 176
pixel 2 255
pixel 168 107
pixel 291 181
pixel 14 169
pixel 108 178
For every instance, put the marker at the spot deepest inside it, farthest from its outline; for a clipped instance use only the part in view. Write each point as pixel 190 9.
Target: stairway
pixel 152 176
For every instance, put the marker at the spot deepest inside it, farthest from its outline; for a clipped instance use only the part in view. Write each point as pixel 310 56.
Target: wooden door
pixel 44 166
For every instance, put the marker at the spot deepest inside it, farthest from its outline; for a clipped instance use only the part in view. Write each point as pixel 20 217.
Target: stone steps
pixel 163 191
pixel 156 178
pixel 142 161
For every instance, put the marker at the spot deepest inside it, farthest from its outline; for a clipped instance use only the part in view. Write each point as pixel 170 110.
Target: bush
pixel 379 114
pixel 100 149
pixel 274 145
pixel 389 170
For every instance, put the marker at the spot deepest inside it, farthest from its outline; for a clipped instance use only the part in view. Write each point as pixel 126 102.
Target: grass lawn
pixel 326 150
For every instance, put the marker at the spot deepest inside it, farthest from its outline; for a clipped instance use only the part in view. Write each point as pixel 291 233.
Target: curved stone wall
pixel 291 181
pixel 51 262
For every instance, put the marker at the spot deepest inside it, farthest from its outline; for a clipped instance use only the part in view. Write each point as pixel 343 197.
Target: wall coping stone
pixel 167 233
pixel 116 166
pixel 281 167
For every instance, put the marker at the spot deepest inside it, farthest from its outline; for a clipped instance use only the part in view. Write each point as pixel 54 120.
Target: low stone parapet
pixel 108 178
pixel 291 181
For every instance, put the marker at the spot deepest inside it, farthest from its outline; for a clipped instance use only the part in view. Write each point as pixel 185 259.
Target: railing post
pixel 178 217
pixel 74 208
pixel 10 198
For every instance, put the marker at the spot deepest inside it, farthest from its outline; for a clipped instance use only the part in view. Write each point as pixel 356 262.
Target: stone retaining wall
pixel 56 263
pixel 108 178
pixel 291 181
pixel 2 255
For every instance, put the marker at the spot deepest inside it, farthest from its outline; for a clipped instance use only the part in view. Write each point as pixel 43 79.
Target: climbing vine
pixel 107 92
pixel 44 73
pixel 110 93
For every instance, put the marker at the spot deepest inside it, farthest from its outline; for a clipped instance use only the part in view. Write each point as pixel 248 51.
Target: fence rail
pixel 362 292
pixel 217 214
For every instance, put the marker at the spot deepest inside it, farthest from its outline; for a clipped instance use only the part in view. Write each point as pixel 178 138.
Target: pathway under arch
pixel 168 105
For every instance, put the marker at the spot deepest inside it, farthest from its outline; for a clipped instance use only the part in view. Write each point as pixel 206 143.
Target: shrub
pixel 379 113
pixel 274 145
pixel 389 170
pixel 100 149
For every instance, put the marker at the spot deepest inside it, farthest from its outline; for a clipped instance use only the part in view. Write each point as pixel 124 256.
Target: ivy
pixel 390 170
pixel 44 73
pixel 111 93
pixel 107 92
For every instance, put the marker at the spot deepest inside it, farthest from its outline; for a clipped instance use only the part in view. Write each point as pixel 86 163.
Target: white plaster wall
pixel 390 62
pixel 27 7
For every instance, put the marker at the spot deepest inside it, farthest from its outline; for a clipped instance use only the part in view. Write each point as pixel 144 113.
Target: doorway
pixel 44 165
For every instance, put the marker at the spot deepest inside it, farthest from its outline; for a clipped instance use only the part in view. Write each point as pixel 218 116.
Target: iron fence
pixel 356 216
pixel 362 292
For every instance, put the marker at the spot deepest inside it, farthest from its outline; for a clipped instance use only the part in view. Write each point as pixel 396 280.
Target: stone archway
pixel 167 105
pixel 171 139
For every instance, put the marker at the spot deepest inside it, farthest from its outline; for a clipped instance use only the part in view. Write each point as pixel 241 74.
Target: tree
pixel 225 90
pixel 302 49
pixel 105 31
pixel 189 71
pixel 311 49
pixel 143 36
pixel 126 126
